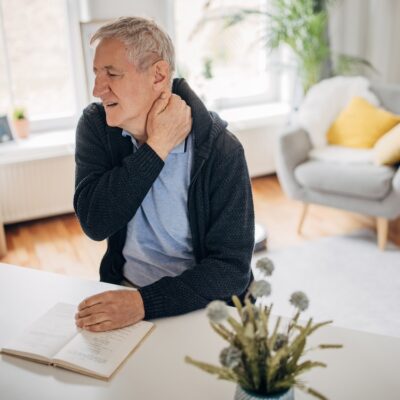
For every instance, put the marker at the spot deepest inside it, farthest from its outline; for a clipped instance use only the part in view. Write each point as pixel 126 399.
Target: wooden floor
pixel 58 244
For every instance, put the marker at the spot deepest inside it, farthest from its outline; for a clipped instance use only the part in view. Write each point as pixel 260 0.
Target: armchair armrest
pixel 293 146
pixel 396 181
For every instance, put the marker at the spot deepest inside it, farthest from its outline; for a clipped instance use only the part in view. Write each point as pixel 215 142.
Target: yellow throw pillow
pixel 360 124
pixel 387 148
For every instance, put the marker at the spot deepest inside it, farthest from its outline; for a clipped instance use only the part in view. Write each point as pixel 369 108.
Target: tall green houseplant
pixel 301 25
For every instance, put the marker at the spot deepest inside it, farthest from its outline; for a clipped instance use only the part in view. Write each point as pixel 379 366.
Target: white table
pixel 366 369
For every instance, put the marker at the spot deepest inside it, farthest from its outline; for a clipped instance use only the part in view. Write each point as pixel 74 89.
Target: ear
pixel 161 74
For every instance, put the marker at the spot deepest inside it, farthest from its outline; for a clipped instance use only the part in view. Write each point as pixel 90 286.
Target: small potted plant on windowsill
pixel 264 361
pixel 20 123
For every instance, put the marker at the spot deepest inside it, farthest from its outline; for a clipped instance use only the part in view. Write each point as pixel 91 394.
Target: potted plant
pixel 302 26
pixel 263 358
pixel 20 123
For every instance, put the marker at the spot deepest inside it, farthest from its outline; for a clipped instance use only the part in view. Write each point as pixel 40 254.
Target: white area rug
pixel 347 279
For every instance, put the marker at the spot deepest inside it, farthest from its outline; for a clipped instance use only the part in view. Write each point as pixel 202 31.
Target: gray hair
pixel 147 43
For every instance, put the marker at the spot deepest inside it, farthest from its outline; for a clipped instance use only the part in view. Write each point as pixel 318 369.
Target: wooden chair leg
pixel 302 218
pixel 382 225
pixel 3 244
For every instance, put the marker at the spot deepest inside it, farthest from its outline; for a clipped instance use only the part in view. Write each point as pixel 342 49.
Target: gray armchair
pixel 363 188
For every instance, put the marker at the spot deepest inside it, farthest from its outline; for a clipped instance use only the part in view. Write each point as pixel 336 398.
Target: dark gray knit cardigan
pixel 112 181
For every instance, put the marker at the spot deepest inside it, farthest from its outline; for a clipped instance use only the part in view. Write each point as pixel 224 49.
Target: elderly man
pixel 162 180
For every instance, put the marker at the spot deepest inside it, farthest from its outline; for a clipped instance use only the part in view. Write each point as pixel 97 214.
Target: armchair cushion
pixel 342 154
pixel 361 124
pixel 359 180
pixel 387 148
pixel 324 102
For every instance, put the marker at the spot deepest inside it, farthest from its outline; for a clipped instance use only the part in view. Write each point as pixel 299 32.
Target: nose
pixel 100 87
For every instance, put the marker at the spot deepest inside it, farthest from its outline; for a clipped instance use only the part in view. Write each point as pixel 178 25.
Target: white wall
pixel 102 10
pixel 259 146
pixel 369 29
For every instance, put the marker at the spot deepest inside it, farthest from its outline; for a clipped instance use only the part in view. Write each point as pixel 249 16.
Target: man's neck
pixel 137 131
pixel 140 138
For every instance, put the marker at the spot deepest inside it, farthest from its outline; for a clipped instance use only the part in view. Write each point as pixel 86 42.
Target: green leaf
pixel 262 325
pixel 223 332
pixel 347 64
pixel 285 383
pixel 311 391
pixel 307 365
pixel 271 341
pixel 330 346
pixel 250 312
pixel 235 324
pixel 236 302
pixel 221 372
pixel 319 325
pixel 249 331
pixel 296 352
pixel 274 361
pixel 293 322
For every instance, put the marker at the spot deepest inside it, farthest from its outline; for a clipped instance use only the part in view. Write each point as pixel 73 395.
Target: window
pixel 4 83
pixel 35 63
pixel 227 66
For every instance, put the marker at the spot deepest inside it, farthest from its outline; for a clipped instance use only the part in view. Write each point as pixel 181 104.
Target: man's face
pixel 126 93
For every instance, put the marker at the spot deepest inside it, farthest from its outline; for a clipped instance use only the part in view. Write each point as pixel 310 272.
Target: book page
pixel 47 335
pixel 101 353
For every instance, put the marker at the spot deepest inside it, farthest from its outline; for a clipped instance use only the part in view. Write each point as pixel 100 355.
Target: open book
pixel 54 339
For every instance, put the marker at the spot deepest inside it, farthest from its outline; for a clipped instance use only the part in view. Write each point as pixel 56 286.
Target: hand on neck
pixel 137 127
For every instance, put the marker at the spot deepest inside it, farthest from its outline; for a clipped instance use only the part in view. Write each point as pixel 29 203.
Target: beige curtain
pixel 369 29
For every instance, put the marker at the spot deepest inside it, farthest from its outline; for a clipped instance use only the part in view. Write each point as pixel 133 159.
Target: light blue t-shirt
pixel 159 241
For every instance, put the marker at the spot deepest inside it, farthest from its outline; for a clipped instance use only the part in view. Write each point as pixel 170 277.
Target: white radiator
pixel 36 188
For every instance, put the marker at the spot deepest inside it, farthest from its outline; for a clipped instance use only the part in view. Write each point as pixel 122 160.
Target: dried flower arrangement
pixel 261 360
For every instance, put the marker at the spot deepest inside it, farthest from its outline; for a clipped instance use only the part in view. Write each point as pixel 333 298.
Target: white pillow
pixel 343 155
pixel 325 100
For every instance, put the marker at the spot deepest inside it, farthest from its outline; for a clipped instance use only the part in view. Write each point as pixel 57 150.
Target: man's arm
pixel 229 245
pixel 106 196
pixel 224 272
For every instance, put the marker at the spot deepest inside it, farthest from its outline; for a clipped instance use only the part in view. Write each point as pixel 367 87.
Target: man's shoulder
pixel 221 141
pixel 226 143
pixel 94 112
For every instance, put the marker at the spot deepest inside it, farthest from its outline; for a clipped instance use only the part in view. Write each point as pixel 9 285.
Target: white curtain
pixel 369 29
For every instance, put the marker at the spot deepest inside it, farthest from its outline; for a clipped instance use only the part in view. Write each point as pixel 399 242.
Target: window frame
pixel 74 54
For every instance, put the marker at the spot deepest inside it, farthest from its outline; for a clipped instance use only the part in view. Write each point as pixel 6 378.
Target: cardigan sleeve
pixel 106 195
pixel 229 242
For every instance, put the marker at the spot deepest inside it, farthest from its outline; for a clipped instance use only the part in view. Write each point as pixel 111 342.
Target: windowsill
pixel 255 116
pixel 61 143
pixel 38 146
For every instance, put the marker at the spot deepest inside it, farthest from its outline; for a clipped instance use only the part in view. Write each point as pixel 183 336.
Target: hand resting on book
pixel 53 339
pixel 110 310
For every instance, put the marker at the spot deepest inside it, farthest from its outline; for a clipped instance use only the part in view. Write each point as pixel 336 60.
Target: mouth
pixel 110 104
